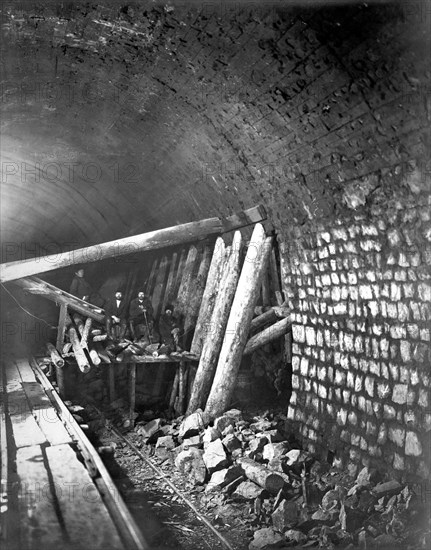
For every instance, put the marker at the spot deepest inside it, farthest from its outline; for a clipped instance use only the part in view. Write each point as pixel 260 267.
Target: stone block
pixel 369 385
pixel 388 412
pixel 399 394
pixel 397 436
pixel 413 446
pixel 365 292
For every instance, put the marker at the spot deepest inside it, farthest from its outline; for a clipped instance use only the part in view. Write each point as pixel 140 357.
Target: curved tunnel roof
pixel 118 119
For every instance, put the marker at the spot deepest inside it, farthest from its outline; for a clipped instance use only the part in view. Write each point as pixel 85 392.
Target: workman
pixel 116 316
pixel 141 321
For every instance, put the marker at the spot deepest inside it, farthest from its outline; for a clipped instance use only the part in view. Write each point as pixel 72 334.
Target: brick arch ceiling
pixel 142 116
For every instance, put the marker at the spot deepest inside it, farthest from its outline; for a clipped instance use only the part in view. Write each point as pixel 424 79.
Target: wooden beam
pixel 267 335
pixel 269 316
pixel 217 325
pixel 209 295
pixel 161 238
pixel 238 325
pixel 34 285
pixel 61 329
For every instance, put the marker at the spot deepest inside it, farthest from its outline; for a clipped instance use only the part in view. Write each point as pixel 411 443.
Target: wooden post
pixel 269 316
pixel 273 269
pixel 209 295
pixel 55 356
pixel 59 378
pixel 112 393
pixel 181 388
pixel 217 325
pixel 62 320
pixel 178 275
pixel 92 353
pixel 170 281
pixel 86 331
pixel 267 335
pixel 151 278
pixel 195 295
pixel 174 392
pixel 159 287
pixel 80 356
pixel 182 301
pixel 239 321
pixel 171 236
pixel 132 392
pixel 266 293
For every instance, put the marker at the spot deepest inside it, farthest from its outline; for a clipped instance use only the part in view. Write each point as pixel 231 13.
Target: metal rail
pixel 162 476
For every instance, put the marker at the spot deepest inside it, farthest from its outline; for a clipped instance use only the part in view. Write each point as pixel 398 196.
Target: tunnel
pixel 120 119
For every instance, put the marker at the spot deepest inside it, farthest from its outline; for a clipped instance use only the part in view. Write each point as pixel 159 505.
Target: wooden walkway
pixel 48 498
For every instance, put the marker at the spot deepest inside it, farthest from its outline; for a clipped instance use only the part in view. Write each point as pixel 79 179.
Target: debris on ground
pixel 248 475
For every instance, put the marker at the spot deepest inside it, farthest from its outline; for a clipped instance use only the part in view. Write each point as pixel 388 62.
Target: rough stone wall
pixel 360 290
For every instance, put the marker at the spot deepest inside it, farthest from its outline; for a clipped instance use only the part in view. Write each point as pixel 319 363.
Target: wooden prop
pixel 268 317
pixel 217 325
pixel 239 321
pixel 179 234
pixel 55 356
pixel 167 296
pixel 80 356
pixel 262 476
pixel 195 295
pixel 267 335
pixel 159 287
pixel 209 295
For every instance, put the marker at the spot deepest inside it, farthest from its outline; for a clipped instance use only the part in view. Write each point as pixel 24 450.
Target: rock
pixel 276 464
pixel 224 477
pixel 389 487
pixel 257 444
pixel 191 464
pixel 285 516
pixel 293 456
pixel 236 414
pixel 166 441
pixel 332 498
pixel 275 450
pixel 363 477
pixel 215 456
pixel 292 535
pixel 325 516
pixel 151 428
pixel 261 425
pixel 222 422
pixel 387 542
pixel 210 434
pixel 248 490
pixel 228 430
pixel 354 519
pixel 264 537
pixel 192 425
pixel 231 443
pixel 194 441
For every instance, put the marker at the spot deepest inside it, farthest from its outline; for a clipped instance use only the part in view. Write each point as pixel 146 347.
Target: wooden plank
pixel 178 275
pixel 39 523
pixel 274 274
pixel 45 414
pixel 159 287
pixel 86 519
pixel 150 281
pixel 182 303
pixel 195 295
pixel 132 391
pixel 112 392
pixel 4 464
pixel 26 431
pixel 112 498
pixel 162 358
pixel 171 236
pixel 238 325
pixel 170 281
pixel 61 329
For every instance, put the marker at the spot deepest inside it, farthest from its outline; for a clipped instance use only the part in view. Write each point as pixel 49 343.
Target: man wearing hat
pixel 141 317
pixel 79 286
pixel 116 316
pixel 169 330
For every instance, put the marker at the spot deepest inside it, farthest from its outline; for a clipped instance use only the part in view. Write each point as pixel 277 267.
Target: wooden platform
pixel 49 500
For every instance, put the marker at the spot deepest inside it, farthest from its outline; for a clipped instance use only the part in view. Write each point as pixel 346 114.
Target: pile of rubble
pixel 286 496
